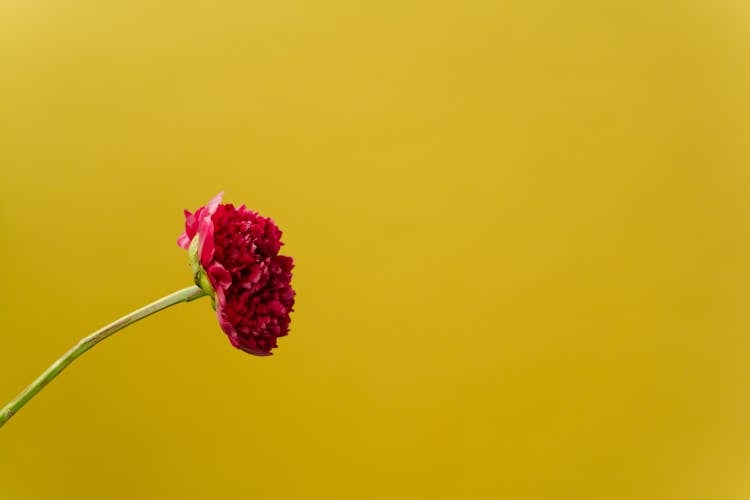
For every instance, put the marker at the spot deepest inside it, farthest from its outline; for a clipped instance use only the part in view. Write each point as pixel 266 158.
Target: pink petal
pixel 219 275
pixel 214 203
pixel 183 241
pixel 206 241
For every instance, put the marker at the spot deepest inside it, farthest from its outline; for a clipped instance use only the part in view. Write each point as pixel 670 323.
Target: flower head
pixel 235 257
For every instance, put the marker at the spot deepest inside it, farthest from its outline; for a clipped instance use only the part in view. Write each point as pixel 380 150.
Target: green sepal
pixel 200 277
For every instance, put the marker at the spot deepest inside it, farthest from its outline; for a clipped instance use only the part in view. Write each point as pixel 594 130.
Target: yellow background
pixel 521 230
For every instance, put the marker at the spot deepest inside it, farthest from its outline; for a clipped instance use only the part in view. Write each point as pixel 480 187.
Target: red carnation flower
pixel 234 253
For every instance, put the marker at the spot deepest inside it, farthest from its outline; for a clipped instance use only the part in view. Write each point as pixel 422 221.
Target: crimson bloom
pixel 235 257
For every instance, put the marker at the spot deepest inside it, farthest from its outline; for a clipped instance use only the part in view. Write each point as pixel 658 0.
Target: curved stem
pixel 184 295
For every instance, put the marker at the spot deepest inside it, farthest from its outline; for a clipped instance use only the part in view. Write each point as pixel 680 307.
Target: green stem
pixel 184 295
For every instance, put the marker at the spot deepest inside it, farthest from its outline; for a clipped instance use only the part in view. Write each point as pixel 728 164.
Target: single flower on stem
pixel 234 254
